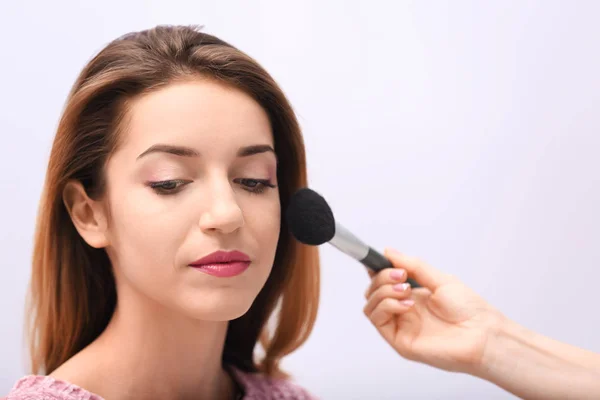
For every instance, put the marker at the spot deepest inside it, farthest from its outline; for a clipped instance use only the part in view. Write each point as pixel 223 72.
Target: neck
pixel 149 351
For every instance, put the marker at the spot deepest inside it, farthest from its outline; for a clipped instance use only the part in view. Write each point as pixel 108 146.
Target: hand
pixel 443 324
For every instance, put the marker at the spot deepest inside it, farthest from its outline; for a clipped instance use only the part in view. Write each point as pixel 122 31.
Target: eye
pixel 255 185
pixel 168 187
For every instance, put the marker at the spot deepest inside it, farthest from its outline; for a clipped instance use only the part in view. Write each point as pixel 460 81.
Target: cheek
pixel 264 222
pixel 146 234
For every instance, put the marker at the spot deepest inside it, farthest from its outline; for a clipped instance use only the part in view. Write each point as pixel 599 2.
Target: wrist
pixel 531 365
pixel 500 335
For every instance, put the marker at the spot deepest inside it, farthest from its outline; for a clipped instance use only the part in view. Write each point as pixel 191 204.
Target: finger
pixel 386 277
pixel 423 273
pixel 396 291
pixel 388 309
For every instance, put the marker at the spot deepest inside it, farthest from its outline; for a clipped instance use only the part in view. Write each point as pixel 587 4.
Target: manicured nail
pixel 401 287
pixel 397 274
pixel 408 302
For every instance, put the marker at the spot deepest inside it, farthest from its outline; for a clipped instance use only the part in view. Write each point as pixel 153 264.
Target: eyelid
pixel 260 186
pixel 158 186
pixel 164 169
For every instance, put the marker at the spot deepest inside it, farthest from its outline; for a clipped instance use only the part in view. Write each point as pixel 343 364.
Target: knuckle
pixel 368 308
pixel 380 293
pixel 388 303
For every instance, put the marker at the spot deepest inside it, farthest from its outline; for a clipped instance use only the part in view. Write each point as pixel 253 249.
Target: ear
pixel 88 215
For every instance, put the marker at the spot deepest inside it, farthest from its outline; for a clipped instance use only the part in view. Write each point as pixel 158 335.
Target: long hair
pixel 72 291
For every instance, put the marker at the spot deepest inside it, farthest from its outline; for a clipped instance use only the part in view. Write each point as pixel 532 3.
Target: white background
pixel 471 133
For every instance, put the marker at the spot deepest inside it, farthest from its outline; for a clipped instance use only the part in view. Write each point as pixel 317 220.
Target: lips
pixel 223 264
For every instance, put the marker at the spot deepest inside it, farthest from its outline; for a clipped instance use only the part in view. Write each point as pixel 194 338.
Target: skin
pixel 448 326
pixel 167 334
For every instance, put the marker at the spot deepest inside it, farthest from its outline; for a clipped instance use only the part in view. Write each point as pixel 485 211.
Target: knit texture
pixel 256 387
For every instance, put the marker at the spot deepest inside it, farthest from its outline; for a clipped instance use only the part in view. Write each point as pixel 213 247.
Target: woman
pixel 160 251
pixel 446 325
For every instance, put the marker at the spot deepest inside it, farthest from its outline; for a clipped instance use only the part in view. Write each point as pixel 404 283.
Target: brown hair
pixel 72 293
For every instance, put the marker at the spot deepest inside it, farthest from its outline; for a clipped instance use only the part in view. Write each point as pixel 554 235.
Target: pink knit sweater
pixel 256 387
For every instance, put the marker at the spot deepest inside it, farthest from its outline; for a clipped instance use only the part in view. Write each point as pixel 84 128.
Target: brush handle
pixel 377 262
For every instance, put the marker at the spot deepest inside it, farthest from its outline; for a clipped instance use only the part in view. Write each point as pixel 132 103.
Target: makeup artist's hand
pixel 443 323
pixel 447 325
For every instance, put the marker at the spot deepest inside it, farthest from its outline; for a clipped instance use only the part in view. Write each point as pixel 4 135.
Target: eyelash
pixel 167 188
pixel 260 185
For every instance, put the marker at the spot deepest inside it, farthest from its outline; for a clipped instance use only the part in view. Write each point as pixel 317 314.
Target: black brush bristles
pixel 310 218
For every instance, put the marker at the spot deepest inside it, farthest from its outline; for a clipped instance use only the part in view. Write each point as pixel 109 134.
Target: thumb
pixel 423 273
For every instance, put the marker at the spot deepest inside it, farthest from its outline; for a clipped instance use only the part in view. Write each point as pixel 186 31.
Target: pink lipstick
pixel 223 264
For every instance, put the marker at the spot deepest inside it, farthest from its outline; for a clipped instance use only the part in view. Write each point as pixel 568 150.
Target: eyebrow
pixel 183 151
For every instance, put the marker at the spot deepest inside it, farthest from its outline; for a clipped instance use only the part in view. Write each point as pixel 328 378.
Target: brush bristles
pixel 310 218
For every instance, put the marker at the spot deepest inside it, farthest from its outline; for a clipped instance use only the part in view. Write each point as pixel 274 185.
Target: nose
pixel 223 214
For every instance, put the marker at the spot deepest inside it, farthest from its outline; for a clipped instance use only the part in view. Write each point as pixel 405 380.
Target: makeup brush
pixel 312 222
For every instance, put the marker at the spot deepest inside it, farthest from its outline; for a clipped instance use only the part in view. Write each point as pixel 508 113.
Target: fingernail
pixel 401 287
pixel 408 302
pixel 397 274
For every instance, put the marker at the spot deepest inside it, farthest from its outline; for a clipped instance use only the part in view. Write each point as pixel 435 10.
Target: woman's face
pixel 195 174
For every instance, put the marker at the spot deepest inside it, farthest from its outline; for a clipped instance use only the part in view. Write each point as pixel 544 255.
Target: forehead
pixel 199 113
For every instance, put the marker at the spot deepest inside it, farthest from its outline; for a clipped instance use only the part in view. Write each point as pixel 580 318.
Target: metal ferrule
pixel 346 242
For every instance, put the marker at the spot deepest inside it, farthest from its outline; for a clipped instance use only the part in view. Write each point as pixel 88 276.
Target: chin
pixel 219 307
